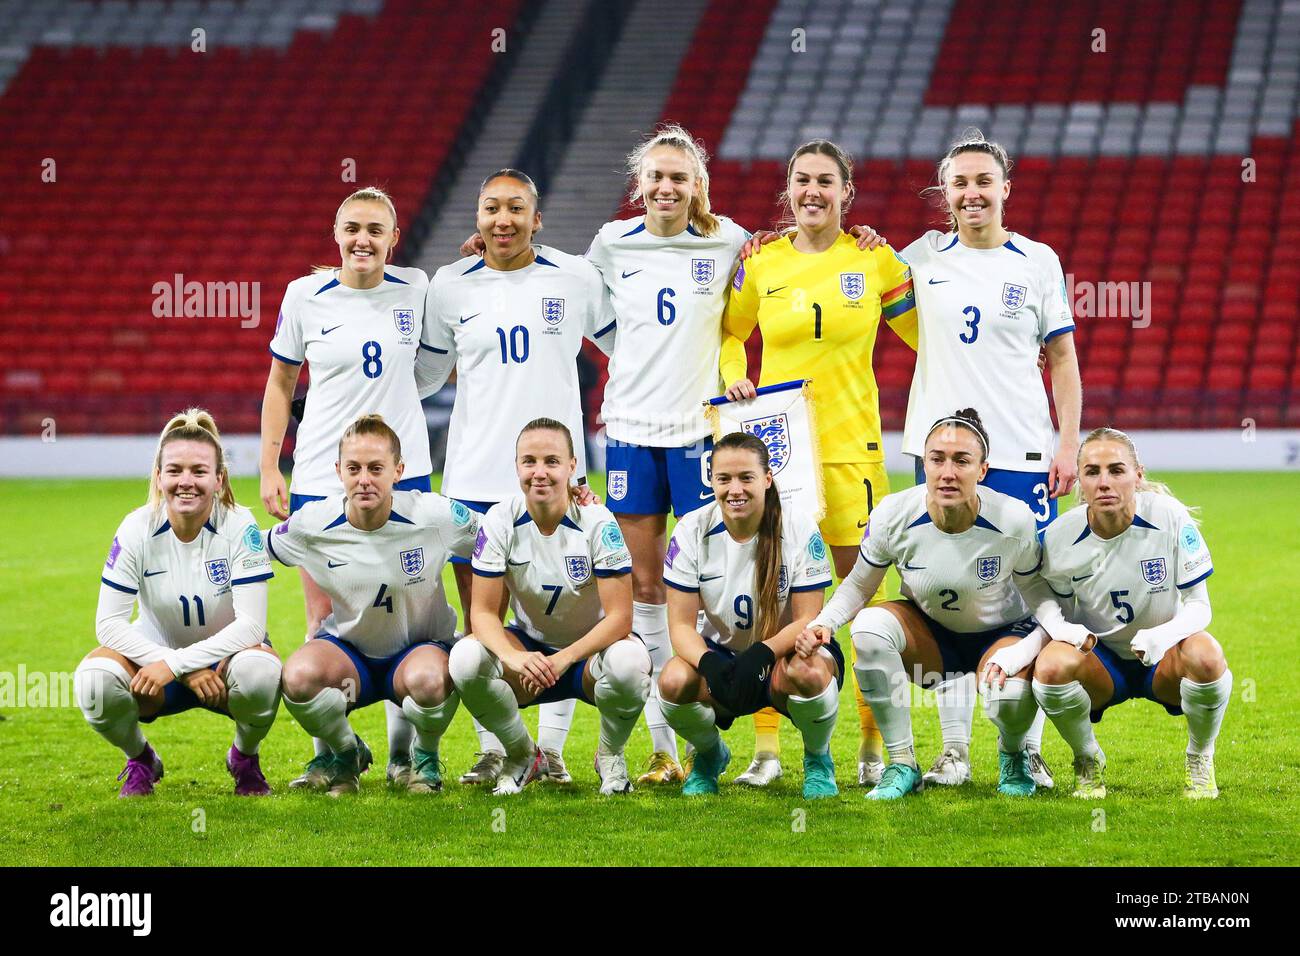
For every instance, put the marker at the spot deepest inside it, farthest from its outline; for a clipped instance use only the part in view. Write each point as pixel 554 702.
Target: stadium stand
pixel 1165 159
pixel 221 166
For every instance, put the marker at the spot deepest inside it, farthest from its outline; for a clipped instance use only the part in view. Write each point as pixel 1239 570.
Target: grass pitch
pixel 58 801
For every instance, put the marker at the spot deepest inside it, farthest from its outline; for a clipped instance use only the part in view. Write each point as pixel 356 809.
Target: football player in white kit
pixel 668 272
pixel 358 328
pixel 1129 569
pixel 506 322
pixel 569 575
pixel 378 554
pixel 195 563
pixel 960 548
pixel 744 560
pixel 988 300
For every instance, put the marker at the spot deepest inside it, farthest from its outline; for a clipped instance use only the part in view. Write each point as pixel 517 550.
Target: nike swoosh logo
pixel 712 578
pixel 822 720
pixel 771 291
pixel 913 567
pixel 329 330
pixel 516 564
pixel 149 574
pixel 862 524
pixel 705 495
pixel 468 317
pixel 628 275
pixel 333 565
pixel 939 281
pixel 1083 577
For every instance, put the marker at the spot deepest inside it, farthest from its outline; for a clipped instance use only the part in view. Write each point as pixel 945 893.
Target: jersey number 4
pixel 384 602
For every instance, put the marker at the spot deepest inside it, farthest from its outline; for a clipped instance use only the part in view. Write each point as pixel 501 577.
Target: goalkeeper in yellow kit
pixel 819 300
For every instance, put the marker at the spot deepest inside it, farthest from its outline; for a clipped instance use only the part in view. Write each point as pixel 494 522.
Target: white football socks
pixel 1069 708
pixel 430 723
pixel 252 697
pixel 815 717
pixel 103 690
pixel 400 734
pixel 325 716
pixel 1034 736
pixel 1011 707
pixel 696 723
pixel 878 640
pixel 477 674
pixel 955 700
pixel 622 675
pixel 1204 706
pixel 650 623
pixel 553 722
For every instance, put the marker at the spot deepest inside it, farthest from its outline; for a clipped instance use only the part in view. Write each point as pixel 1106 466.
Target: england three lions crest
pixel 413 561
pixel 218 571
pixel 1013 296
pixel 617 485
pixel 553 311
pixel 852 284
pixel 702 271
pixel 1153 571
pixel 774 431
pixel 405 320
pixel 988 568
pixel 578 568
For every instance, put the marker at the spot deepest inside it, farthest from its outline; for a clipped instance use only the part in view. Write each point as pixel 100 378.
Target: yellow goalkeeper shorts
pixel 852 491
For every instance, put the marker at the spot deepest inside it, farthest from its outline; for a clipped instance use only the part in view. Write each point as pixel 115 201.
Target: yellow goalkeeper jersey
pixel 819 314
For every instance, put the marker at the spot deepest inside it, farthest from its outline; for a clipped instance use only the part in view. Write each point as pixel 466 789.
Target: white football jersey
pixel 184 589
pixel 1119 586
pixel 668 294
pixel 385 585
pixel 966 581
pixel 514 338
pixel 552 578
pixel 360 345
pixel 704 557
pixel 984 313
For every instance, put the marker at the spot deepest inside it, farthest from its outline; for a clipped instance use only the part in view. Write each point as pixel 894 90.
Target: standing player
pixel 570 585
pixel 745 562
pixel 512 324
pixel 819 300
pixel 378 554
pixel 988 301
pixel 959 548
pixel 195 563
pixel 358 328
pixel 667 273
pixel 1132 564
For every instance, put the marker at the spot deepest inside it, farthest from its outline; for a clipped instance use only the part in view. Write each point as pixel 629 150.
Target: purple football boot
pixel 141 774
pixel 249 781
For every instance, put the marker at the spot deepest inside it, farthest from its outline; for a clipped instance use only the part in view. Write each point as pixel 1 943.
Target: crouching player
pixel 959 547
pixel 1133 564
pixel 746 563
pixel 569 573
pixel 378 554
pixel 195 563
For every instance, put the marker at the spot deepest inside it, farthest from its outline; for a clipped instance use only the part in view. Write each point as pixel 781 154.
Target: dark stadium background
pixel 1155 142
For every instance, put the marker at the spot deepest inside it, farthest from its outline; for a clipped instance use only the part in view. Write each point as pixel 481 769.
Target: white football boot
pixel 763 770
